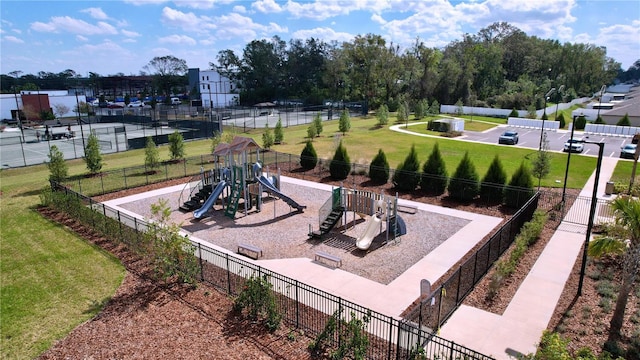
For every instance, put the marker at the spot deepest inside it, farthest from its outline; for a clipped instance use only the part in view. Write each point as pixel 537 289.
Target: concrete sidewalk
pixel 519 329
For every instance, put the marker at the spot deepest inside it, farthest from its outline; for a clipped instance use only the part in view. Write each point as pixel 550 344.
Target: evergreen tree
pixel 267 137
pixel 317 123
pixel 344 124
pixel 492 186
pixel 624 121
pixel 544 115
pixel 402 116
pixel 311 132
pixel 308 157
pixel 599 120
pixel 176 146
pixel 58 169
pixel 520 187
pixel 92 155
pixel 434 109
pixel 278 133
pixel 434 173
pixel 406 177
pixel 560 119
pixel 514 113
pixel 151 155
pixel 379 168
pixel 421 109
pixel 464 185
pixel 340 165
pixel 382 115
pixel 580 122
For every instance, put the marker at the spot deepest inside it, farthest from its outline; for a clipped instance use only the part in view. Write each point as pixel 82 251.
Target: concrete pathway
pixel 519 329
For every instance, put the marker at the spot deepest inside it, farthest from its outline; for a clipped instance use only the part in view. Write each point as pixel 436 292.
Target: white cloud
pixel 322 9
pixel 196 4
pixel 13 39
pixel 177 39
pixel 378 19
pixel 616 39
pixel 82 38
pixel 95 13
pixel 266 6
pixel 130 34
pixel 186 21
pixel 324 33
pixel 68 24
pixel 239 9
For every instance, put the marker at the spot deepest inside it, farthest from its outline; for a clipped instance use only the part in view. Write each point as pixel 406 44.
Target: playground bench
pixel 323 257
pixel 251 251
pixel 409 209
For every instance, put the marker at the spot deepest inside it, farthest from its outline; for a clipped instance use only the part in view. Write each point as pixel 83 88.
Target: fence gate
pixel 579 211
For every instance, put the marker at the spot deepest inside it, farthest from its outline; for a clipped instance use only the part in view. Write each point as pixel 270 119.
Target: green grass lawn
pixel 52 280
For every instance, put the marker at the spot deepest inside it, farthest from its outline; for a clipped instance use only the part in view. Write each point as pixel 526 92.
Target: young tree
pixel 317 123
pixel 520 187
pixel 58 169
pixel 340 165
pixel 60 109
pixel 421 109
pixel 267 137
pixel 599 120
pixel 560 119
pixel 625 241
pixel 151 155
pixel 580 122
pixel 344 124
pixel 278 133
pixel 434 109
pixel 311 132
pixel 624 121
pixel 464 185
pixel 92 155
pixel 434 173
pixel 382 115
pixel 379 168
pixel 514 113
pixel 402 115
pixel 127 100
pixel 406 177
pixel 176 146
pixel 541 164
pixel 492 186
pixel 308 157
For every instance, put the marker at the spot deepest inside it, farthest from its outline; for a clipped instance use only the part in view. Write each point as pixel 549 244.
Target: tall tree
pixel 92 155
pixel 168 70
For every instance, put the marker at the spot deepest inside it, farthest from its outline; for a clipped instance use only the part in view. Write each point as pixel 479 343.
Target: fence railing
pixel 300 305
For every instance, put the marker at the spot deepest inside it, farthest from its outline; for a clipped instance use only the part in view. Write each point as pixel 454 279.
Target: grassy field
pixel 52 280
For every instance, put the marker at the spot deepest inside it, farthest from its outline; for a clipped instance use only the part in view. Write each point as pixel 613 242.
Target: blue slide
pixel 274 191
pixel 210 201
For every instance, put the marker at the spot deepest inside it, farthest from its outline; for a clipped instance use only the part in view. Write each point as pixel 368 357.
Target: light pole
pixel 602 89
pixel 560 91
pixel 592 213
pixel 544 115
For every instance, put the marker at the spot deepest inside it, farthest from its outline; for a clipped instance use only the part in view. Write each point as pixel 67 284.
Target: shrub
pixel 382 115
pixel 317 123
pixel 311 132
pixel 406 177
pixel 580 122
pixel 267 137
pixel 352 343
pixel 464 185
pixel 560 119
pixel 340 165
pixel 151 155
pixel 92 155
pixel 520 187
pixel 493 182
pixel 278 134
pixel 58 169
pixel 434 173
pixel 421 109
pixel 308 157
pixel 259 300
pixel 344 124
pixel 599 120
pixel 434 109
pixel 379 168
pixel 624 121
pixel 176 146
pixel 514 113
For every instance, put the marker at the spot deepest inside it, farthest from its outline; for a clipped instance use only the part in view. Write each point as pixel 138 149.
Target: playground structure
pixel 378 209
pixel 234 178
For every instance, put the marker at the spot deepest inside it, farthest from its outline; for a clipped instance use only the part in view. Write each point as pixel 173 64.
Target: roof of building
pixel 238 145
pixel 630 105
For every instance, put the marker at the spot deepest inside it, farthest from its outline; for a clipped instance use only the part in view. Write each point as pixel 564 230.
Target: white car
pixel 575 145
pixel 137 103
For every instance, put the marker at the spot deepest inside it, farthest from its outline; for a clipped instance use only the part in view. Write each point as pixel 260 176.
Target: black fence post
pixel 102 183
pixel 124 176
pixel 228 275
pixel 297 305
pixel 201 265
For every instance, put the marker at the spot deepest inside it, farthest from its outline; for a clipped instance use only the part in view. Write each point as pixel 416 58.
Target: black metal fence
pixel 301 306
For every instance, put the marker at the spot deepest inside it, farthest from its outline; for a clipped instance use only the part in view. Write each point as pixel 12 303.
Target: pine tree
pixel 340 165
pixel 580 122
pixel 278 133
pixel 382 115
pixel 344 124
pixel 406 177
pixel 379 168
pixel 492 186
pixel 317 123
pixel 560 119
pixel 58 169
pixel 434 109
pixel 311 132
pixel 514 113
pixel 464 185
pixel 434 173
pixel 308 157
pixel 151 155
pixel 624 121
pixel 520 187
pixel 267 137
pixel 92 155
pixel 176 146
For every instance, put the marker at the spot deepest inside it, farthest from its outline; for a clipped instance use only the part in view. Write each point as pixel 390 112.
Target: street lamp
pixel 560 90
pixel 602 89
pixel 592 212
pixel 544 114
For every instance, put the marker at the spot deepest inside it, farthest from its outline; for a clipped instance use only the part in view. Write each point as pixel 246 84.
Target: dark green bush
pixel 406 177
pixel 580 122
pixel 520 187
pixel 514 113
pixel 379 168
pixel 624 121
pixel 492 186
pixel 464 184
pixel 562 121
pixel 308 157
pixel 434 177
pixel 340 165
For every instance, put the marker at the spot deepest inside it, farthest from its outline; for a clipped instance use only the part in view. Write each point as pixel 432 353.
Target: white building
pixel 216 91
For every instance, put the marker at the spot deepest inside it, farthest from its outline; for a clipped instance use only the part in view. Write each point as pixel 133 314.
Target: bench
pixel 328 259
pixel 251 251
pixel 409 209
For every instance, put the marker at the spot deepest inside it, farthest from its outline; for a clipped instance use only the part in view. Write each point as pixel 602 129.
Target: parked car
pixel 628 151
pixel 575 145
pixel 508 137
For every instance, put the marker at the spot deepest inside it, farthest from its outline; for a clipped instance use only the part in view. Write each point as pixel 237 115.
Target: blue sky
pixel 109 37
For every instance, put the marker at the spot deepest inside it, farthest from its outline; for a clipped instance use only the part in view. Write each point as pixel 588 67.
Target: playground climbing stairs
pixel 331 221
pixel 198 198
pixel 236 191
